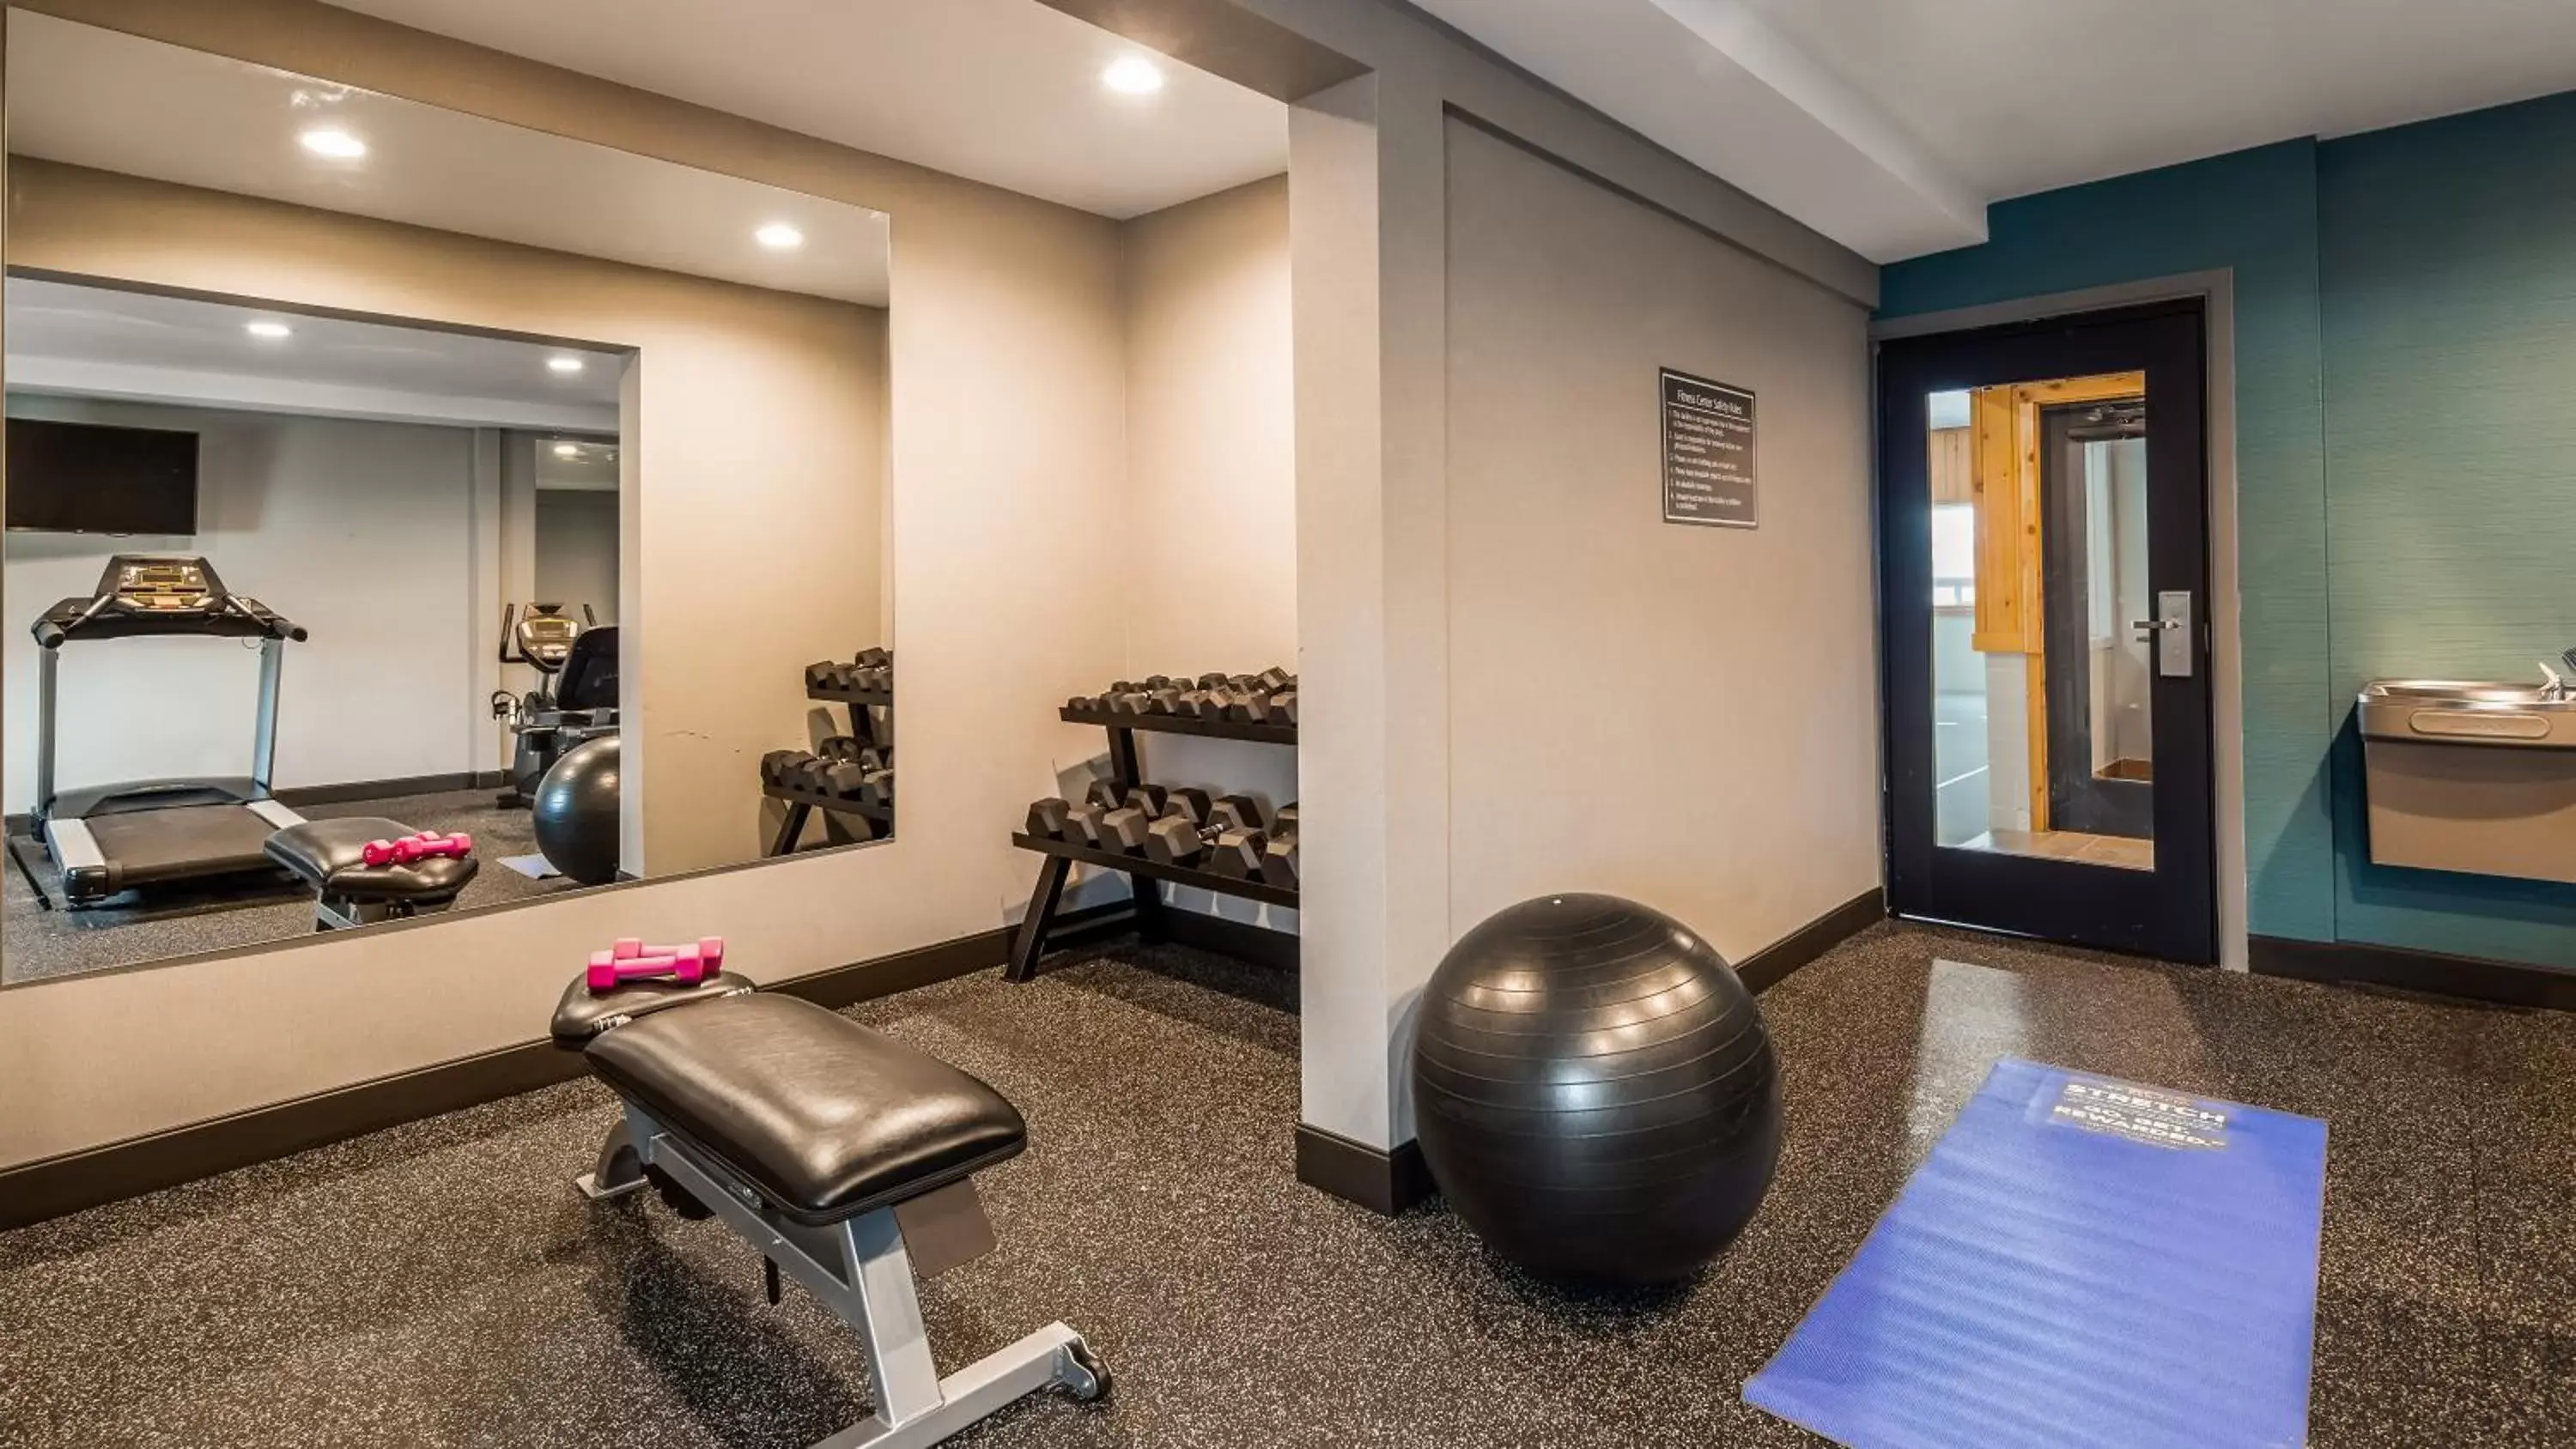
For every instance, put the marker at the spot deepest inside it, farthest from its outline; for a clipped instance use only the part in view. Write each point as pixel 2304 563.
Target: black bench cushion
pixel 332 854
pixel 823 1116
pixel 581 1013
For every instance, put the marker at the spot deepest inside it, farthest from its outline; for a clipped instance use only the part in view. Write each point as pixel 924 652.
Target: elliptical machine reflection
pixel 576 694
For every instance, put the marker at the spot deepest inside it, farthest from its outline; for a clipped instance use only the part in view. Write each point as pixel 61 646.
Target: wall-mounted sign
pixel 1708 452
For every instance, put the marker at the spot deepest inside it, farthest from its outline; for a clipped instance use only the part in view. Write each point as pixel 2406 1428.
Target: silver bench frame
pixel 860 1270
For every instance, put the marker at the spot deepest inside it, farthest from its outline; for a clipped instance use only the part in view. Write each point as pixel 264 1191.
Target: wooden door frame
pixel 2004 481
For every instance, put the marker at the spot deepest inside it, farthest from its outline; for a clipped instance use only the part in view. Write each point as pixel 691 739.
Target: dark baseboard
pixel 1382 1182
pixel 1242 940
pixel 342 794
pixel 1767 968
pixel 1390 1182
pixel 849 985
pixel 57 1185
pixel 2505 983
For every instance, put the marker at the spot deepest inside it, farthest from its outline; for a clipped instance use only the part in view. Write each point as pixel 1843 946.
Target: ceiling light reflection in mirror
pixel 380 156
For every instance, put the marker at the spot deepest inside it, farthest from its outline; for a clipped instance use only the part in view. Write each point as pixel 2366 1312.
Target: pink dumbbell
pixel 631 960
pixel 381 853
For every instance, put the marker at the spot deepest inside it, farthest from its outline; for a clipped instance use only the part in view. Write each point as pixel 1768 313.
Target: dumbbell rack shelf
pixel 1188 875
pixel 1126 769
pixel 1182 724
pixel 817 800
pixel 865 698
pixel 801 804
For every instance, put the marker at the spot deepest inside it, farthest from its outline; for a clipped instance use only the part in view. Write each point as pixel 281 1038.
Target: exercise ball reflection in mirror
pixel 576 812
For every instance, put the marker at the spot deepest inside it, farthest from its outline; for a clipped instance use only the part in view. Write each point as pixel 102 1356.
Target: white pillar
pixel 1369 256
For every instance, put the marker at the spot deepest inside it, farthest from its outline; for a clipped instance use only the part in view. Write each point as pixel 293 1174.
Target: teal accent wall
pixel 2406 458
pixel 2449 294
pixel 2253 213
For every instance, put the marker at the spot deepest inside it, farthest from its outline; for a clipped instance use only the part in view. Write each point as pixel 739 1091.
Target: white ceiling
pixel 103 342
pixel 1002 91
pixel 228 126
pixel 1890 124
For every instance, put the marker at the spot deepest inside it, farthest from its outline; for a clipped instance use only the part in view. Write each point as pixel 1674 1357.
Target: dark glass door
pixel 2044 577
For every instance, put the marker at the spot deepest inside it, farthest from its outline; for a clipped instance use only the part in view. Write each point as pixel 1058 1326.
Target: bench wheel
pixel 1091 1380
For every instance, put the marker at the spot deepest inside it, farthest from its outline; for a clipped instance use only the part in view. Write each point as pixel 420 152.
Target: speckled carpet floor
pixel 442 1284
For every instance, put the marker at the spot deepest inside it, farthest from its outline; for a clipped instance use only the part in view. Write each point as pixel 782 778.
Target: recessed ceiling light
pixel 1133 75
pixel 565 365
pixel 567 450
pixel 334 143
pixel 778 236
pixel 268 331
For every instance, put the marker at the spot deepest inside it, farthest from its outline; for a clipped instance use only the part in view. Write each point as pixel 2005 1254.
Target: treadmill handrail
pixel 81 620
pixel 277 625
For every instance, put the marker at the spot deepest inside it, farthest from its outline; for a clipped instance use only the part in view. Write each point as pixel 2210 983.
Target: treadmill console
pixel 142 594
pixel 160 585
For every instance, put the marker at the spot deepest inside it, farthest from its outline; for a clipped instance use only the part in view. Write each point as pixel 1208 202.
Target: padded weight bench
pixel 845 1157
pixel 331 857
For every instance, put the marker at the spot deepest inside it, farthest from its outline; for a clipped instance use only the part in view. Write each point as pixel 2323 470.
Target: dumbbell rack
pixel 1126 770
pixel 801 804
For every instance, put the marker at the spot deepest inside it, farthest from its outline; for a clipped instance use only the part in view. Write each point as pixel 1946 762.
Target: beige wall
pixel 1402 745
pixel 1212 474
pixel 757 407
pixel 997 626
pixel 1211 421
pixel 1683 715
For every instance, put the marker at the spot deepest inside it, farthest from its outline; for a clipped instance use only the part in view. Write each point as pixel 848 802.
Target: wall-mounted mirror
pixel 410 514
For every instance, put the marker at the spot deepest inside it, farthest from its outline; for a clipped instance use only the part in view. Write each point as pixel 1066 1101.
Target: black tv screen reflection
pixel 90 478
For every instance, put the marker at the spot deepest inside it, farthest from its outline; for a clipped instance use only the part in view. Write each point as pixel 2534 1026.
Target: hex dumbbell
pixel 1082 825
pixel 876 789
pixel 1237 853
pixel 1238 812
pixel 1279 861
pixel 1049 819
pixel 1176 840
pixel 844 779
pixel 1124 831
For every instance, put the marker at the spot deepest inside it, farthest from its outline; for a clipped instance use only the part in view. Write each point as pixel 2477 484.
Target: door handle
pixel 2171 632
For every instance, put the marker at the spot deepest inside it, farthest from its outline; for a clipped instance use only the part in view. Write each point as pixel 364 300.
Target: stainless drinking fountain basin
pixel 2459 712
pixel 2467 776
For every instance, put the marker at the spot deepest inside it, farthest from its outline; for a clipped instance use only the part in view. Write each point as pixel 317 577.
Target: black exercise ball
pixel 576 812
pixel 1594 1091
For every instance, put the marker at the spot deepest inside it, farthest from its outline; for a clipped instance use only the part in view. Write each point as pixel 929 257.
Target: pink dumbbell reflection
pixel 381 853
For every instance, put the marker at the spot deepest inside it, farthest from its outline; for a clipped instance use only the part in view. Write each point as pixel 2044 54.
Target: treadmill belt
pixel 193 840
